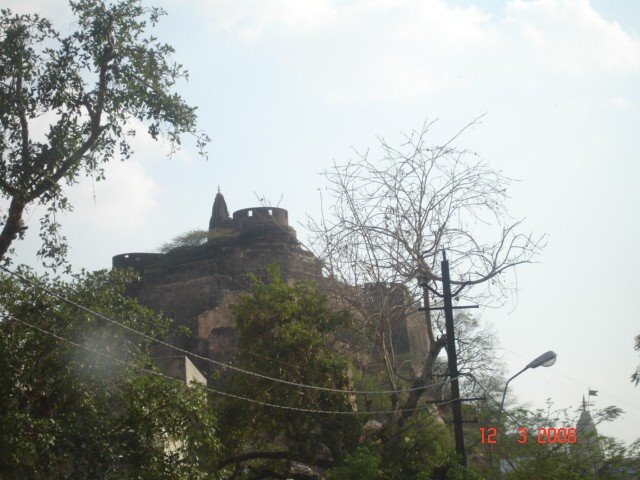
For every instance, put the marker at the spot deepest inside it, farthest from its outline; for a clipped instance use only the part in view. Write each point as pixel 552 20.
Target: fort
pixel 195 285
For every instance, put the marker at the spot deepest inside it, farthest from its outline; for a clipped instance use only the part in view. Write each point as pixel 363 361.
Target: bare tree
pixel 475 346
pixel 388 221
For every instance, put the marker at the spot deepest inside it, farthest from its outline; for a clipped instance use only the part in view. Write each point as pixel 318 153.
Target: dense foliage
pixel 82 400
pixel 288 332
pixel 283 332
pixel 79 397
pixel 189 238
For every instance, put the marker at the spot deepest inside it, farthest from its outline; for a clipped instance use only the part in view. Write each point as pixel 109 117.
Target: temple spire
pixel 219 212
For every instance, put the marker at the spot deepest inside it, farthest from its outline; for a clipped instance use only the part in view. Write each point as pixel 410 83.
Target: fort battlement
pixel 137 261
pixel 195 285
pixel 250 216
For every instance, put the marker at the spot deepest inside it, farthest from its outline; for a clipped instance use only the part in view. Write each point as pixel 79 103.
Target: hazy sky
pixel 286 86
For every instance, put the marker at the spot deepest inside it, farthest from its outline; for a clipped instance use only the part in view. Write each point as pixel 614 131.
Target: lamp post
pixel 545 360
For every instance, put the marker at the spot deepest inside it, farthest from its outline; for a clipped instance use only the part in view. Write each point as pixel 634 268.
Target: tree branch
pixel 270 455
pixel 423 382
pixel 13 226
pixel 94 134
pixel 24 125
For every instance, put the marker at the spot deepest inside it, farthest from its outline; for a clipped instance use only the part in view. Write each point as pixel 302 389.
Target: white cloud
pixel 385 49
pixel 41 7
pixel 147 149
pixel 570 36
pixel 407 20
pixel 125 200
pixel 57 11
pixel 391 49
pixel 618 103
pixel 250 19
pixel 120 203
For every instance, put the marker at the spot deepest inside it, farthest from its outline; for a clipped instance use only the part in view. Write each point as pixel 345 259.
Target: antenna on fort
pixel 262 199
pixel 452 355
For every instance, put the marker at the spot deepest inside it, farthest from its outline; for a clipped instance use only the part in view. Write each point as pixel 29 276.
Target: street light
pixel 545 360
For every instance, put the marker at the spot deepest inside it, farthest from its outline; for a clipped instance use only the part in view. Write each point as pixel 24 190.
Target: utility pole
pixel 452 355
pixel 453 361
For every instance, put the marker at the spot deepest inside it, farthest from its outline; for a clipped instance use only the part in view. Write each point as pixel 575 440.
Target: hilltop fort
pixel 195 285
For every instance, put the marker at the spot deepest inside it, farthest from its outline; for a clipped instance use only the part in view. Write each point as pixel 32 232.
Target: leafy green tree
pixel 418 458
pixel 420 450
pixel 287 331
pixel 89 85
pixel 361 465
pixel 79 397
pixel 283 332
pixel 190 238
pixel 613 459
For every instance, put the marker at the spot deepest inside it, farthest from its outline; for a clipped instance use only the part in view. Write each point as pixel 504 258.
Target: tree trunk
pixel 424 380
pixel 13 226
pixel 427 317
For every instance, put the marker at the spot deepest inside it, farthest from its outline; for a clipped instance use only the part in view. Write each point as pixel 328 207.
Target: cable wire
pixel 556 371
pixel 220 392
pixel 210 360
pixel 472 377
pixel 578 430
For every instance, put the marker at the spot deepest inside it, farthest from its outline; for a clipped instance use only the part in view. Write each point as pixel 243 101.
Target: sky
pixel 285 87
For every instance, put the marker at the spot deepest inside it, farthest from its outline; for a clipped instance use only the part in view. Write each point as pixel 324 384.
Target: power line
pixel 498 403
pixel 555 370
pixel 215 362
pixel 220 392
pixel 472 377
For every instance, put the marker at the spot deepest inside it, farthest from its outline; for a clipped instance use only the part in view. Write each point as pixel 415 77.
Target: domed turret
pixel 264 222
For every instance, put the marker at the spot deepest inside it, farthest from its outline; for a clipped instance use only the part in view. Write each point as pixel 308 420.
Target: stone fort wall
pixel 195 285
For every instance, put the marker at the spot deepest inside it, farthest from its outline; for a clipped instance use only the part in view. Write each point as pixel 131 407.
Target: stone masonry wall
pixel 195 285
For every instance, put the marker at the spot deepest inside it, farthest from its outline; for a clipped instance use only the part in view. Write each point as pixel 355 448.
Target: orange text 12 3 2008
pixel 544 435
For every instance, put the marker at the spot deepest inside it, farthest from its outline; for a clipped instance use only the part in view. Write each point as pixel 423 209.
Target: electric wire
pixel 473 378
pixel 504 455
pixel 206 359
pixel 578 430
pixel 557 371
pixel 557 446
pixel 221 392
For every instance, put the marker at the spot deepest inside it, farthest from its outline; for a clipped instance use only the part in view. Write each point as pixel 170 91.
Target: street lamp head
pixel 545 360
